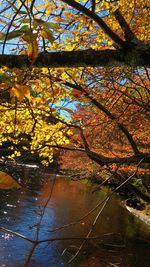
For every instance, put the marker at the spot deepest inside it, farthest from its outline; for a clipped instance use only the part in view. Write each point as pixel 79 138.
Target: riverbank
pixel 139 214
pixel 133 204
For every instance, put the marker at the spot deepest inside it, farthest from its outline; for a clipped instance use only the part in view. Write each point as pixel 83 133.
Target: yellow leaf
pixel 20 91
pixel 29 37
pixel 47 34
pixel 7 182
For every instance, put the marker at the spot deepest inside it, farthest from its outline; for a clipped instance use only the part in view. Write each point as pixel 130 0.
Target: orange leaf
pixel 7 182
pixel 32 48
pixel 76 94
pixel 20 91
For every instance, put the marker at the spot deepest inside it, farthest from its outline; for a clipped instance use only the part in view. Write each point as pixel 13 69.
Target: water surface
pixel 123 239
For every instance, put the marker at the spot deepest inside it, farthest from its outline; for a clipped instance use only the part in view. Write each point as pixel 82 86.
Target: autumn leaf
pixel 76 93
pixel 47 34
pixel 7 182
pixel 29 37
pixel 20 91
pixel 32 50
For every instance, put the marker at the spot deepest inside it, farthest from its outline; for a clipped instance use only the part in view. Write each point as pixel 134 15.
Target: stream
pixel 121 239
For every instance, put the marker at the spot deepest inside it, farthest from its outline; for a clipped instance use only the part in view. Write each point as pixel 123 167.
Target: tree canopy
pixel 88 33
pixel 74 76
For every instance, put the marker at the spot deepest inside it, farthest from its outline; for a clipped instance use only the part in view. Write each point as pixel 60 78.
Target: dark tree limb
pixel 139 56
pixel 92 15
pixel 93 5
pixel 128 34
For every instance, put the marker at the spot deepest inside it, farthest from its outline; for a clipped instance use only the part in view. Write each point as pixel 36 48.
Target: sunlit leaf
pixel 11 35
pixel 40 22
pixel 76 93
pixel 29 37
pixel 45 33
pixel 7 182
pixel 20 91
pixel 52 25
pixel 32 50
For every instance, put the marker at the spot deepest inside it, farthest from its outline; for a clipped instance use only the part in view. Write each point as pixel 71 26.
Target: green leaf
pixel 25 28
pixel 10 35
pixel 18 33
pixel 52 25
pixel 37 22
pixel 40 22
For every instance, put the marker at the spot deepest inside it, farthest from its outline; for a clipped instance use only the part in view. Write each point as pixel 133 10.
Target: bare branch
pixel 16 233
pixel 128 34
pixel 10 24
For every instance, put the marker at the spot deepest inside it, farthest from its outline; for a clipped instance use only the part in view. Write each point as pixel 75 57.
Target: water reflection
pixel 119 233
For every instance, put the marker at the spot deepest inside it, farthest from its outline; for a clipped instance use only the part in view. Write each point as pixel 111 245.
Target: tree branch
pixel 100 159
pixel 109 115
pixel 82 58
pixel 128 34
pixel 112 35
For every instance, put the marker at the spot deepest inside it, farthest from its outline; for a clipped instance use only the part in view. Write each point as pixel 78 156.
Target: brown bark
pixel 137 56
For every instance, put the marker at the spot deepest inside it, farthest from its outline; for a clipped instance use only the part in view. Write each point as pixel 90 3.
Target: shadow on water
pixel 122 239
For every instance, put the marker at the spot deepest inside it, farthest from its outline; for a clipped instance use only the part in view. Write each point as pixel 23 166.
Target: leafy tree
pixel 92 53
pixel 98 26
pixel 105 139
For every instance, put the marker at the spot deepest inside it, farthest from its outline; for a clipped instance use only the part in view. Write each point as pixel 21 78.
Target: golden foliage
pixel 7 182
